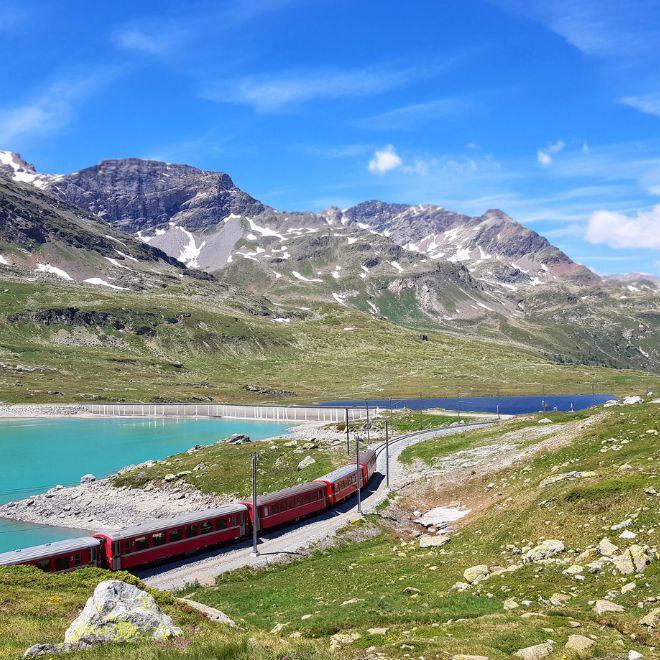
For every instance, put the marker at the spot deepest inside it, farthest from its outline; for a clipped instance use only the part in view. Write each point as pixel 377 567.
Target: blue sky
pixel 547 110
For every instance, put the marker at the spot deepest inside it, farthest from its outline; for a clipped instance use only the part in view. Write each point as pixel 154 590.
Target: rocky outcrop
pixel 120 612
pixel 116 612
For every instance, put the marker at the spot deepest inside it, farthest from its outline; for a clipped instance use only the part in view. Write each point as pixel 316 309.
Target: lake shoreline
pixel 101 505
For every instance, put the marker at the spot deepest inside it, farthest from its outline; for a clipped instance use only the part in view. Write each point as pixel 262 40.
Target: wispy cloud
pixel 333 151
pixel 596 27
pixel 544 155
pixel 165 34
pixel 51 109
pixel 412 116
pixel 287 91
pixel 647 103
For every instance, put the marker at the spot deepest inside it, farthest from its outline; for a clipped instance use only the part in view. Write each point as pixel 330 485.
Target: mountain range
pixel 132 223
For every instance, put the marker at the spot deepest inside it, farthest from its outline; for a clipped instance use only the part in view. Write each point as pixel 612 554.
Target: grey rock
pixel 118 611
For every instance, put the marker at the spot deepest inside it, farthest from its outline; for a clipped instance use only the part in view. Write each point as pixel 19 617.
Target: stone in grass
pixel 306 462
pixel 377 631
pixel 510 604
pixel 634 655
pixel 476 573
pixel 462 656
pixel 652 619
pixel 427 541
pixel 535 652
pixel 343 638
pixel 545 550
pixel 118 612
pixel 634 559
pixel 605 606
pixel 579 645
pixel 566 476
pixel 559 599
pixel 607 548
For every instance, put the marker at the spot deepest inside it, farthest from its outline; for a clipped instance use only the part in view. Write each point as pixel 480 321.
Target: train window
pixel 44 565
pixel 62 563
pixel 141 543
pixel 175 535
pixel 221 523
pixel 299 500
pixel 274 509
pixel 207 527
pixel 77 559
pixel 158 539
pixel 191 530
pixel 308 497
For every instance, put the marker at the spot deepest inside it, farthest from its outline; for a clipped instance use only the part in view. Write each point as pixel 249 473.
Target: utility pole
pixel 358 472
pixel 255 509
pixel 348 440
pixel 368 424
pixel 387 454
pixel 498 411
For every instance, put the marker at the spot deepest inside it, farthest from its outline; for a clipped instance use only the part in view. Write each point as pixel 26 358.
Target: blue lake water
pixel 36 454
pixel 508 405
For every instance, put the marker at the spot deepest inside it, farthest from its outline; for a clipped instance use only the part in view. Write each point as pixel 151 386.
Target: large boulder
pixel 120 612
pixel 545 550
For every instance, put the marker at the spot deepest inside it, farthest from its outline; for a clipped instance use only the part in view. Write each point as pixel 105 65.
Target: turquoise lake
pixel 37 454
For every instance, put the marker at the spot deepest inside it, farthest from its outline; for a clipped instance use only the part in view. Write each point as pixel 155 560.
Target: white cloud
pixel 647 103
pixel 286 91
pixel 384 160
pixel 543 155
pixel 146 41
pixel 52 109
pixel 623 231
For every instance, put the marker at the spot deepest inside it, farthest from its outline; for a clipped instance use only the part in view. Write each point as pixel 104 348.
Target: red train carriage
pixel 340 483
pixel 289 504
pixel 156 540
pixel 367 459
pixel 58 556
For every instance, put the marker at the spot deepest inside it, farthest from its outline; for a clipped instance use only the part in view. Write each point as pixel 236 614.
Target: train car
pixel 340 483
pixel 289 504
pixel 156 540
pixel 57 557
pixel 367 459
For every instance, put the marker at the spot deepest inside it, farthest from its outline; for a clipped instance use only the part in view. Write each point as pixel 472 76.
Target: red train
pixel 156 541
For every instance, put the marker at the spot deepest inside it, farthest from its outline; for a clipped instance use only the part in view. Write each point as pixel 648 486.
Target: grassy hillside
pixel 388 582
pixel 38 608
pixel 205 343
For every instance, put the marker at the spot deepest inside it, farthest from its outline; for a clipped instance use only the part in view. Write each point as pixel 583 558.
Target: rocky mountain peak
pixel 12 162
pixel 139 195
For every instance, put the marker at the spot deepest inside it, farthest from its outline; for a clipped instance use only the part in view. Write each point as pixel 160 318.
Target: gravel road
pixel 280 545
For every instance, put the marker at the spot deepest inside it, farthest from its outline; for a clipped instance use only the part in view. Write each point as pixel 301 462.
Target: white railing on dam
pixel 229 411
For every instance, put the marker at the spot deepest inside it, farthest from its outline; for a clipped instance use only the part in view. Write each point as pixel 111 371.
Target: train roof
pixel 157 524
pixel 46 550
pixel 286 492
pixel 366 455
pixel 338 474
